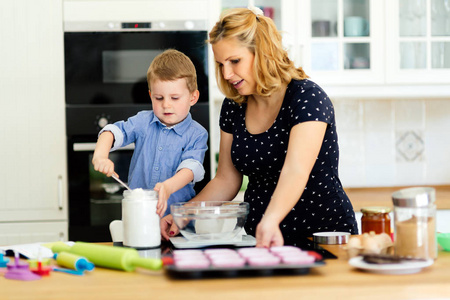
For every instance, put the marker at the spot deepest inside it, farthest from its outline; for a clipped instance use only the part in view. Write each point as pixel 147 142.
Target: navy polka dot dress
pixel 323 206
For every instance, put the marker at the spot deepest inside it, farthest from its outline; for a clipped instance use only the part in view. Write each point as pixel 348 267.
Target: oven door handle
pixel 80 147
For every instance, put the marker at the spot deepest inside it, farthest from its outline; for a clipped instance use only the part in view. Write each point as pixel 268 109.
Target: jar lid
pixel 414 197
pixel 331 238
pixel 376 209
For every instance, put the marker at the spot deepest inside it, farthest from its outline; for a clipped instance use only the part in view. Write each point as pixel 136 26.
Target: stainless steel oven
pixel 105 80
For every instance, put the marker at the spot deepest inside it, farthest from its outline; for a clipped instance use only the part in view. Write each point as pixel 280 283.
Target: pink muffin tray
pixel 249 261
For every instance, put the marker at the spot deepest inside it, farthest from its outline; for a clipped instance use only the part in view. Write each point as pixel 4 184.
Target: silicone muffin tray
pixel 241 262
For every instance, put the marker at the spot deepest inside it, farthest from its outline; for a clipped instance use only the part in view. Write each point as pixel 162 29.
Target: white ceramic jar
pixel 141 227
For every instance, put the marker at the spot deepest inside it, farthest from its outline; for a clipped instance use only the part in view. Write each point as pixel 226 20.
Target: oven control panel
pixel 82 120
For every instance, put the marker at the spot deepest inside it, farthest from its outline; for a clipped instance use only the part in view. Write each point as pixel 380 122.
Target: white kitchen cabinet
pixel 30 232
pixel 418 41
pixel 405 52
pixel 33 201
pixel 342 41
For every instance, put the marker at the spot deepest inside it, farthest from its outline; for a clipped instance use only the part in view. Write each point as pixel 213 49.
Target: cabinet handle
pixel 60 192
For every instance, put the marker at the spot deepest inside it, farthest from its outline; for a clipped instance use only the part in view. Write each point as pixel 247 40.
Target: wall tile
pixel 379 147
pixel 348 115
pixel 378 115
pixel 437 156
pixel 380 175
pixel 437 115
pixel 409 114
pixel 352 175
pixel 351 148
pixel 410 173
pixel 410 146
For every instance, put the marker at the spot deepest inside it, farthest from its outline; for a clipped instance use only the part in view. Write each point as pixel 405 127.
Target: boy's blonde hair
pixel 171 65
pixel 272 66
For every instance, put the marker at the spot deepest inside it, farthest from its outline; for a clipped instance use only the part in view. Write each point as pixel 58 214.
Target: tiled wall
pixel 386 142
pixel 390 142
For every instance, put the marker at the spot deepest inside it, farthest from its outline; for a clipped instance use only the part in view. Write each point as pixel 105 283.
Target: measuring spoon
pixel 121 182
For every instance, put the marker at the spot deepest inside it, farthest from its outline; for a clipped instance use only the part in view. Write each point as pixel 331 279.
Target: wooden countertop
pixel 363 197
pixel 337 279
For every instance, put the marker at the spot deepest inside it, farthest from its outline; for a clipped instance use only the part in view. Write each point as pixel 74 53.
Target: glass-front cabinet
pixel 418 32
pixel 342 41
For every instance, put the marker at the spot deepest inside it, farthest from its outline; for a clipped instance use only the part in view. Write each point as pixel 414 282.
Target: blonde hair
pixel 171 65
pixel 272 66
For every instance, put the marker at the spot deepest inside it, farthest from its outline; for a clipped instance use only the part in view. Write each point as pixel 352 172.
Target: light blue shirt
pixel 161 151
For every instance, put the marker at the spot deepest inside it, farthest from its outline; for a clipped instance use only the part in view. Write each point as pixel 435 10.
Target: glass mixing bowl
pixel 210 220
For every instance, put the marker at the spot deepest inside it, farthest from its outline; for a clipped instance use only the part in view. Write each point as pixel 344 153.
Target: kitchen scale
pixel 181 242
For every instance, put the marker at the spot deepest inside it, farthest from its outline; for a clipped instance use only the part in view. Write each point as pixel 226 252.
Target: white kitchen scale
pixel 239 241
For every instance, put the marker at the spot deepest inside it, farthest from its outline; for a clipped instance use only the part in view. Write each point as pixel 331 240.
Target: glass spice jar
pixel 415 222
pixel 376 219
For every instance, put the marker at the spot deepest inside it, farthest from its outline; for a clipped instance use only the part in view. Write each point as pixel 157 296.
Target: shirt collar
pixel 179 128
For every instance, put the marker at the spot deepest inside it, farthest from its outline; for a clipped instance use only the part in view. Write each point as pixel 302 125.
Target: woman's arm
pixel 227 182
pixel 223 187
pixel 305 142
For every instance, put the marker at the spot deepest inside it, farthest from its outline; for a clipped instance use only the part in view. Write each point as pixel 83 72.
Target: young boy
pixel 169 145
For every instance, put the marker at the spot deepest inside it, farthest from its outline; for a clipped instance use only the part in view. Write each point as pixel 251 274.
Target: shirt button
pixel 160 148
pixel 156 169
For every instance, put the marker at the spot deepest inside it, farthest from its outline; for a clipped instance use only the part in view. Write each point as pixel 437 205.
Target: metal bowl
pixel 210 220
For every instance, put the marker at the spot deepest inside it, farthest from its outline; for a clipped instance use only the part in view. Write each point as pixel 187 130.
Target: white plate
pixel 409 267
pixel 239 241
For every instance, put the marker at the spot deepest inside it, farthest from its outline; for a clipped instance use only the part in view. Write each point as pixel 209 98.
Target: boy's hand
pixel 164 193
pixel 104 165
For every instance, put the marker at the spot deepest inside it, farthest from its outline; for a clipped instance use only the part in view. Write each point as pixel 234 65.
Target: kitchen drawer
pixel 32 232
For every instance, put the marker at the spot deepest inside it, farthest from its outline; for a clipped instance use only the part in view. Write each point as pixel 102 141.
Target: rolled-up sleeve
pixel 118 135
pixel 193 156
pixel 195 166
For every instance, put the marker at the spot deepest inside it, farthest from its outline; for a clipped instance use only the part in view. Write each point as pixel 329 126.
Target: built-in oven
pixel 105 81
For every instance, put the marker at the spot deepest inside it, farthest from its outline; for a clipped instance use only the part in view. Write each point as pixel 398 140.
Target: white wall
pixel 393 142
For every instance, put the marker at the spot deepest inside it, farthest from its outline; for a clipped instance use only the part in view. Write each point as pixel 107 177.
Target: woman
pixel 278 128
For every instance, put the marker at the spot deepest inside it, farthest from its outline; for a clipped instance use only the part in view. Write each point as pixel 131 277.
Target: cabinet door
pixel 418 41
pixel 343 41
pixel 32 156
pixel 26 233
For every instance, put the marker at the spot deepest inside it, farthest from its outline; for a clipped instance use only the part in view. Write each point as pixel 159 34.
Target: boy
pixel 169 145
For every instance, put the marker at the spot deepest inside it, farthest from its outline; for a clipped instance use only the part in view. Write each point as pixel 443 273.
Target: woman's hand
pixel 268 234
pixel 168 227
